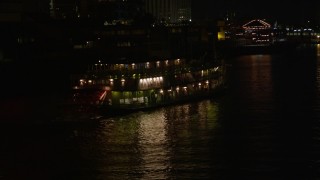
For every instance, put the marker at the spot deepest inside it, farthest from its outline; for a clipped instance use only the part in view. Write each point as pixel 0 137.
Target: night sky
pixel 285 11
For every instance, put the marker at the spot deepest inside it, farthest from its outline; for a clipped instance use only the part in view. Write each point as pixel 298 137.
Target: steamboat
pixel 119 87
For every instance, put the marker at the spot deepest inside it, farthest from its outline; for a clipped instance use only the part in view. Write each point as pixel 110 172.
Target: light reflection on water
pixel 152 145
pixel 255 82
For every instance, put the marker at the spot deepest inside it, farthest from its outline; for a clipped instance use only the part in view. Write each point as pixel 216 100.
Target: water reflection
pixel 316 127
pixel 253 81
pixel 318 65
pixel 318 50
pixel 152 145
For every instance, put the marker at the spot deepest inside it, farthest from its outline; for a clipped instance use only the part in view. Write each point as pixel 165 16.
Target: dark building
pixel 18 21
pixel 170 11
pixel 112 29
pixel 123 12
pixel 17 10
pixel 110 11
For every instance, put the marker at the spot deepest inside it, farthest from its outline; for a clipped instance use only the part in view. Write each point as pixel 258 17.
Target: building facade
pixel 169 11
pixel 109 10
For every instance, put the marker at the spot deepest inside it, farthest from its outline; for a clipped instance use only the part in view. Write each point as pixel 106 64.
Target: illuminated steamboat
pixel 133 86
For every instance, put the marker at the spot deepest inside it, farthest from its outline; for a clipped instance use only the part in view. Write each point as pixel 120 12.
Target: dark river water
pixel 265 127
